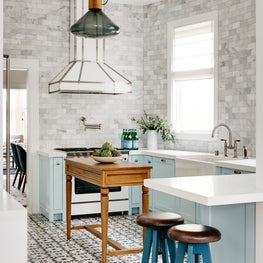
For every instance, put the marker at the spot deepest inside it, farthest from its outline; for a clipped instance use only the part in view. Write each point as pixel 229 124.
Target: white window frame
pixel 184 22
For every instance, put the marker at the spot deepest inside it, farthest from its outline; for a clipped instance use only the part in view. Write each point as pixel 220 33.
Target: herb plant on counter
pixel 160 125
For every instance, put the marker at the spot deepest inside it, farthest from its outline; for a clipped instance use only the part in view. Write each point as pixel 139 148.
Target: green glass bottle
pixel 135 140
pixel 124 131
pixel 129 139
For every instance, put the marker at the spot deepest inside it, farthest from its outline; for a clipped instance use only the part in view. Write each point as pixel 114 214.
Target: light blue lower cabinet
pixel 135 192
pixel 225 171
pixel 161 168
pixel 135 200
pixel 52 188
pixel 237 226
pixel 186 209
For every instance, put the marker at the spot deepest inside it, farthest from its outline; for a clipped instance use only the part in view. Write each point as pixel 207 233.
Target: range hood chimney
pixel 87 72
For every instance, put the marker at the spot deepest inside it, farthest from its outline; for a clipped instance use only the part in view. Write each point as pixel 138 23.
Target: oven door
pixel 86 192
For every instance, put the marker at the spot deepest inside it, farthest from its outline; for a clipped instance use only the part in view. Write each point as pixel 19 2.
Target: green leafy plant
pixel 161 125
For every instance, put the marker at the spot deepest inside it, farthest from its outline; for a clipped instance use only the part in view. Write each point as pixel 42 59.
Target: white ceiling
pixel 134 2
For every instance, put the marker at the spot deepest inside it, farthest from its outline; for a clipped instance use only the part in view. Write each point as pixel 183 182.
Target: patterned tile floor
pixel 47 241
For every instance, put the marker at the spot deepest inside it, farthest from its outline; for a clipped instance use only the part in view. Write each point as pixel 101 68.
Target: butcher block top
pixel 120 173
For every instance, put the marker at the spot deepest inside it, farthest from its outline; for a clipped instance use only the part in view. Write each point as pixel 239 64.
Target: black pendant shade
pixel 95 24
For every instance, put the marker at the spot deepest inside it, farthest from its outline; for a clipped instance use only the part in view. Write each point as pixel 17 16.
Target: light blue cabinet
pixel 223 170
pixel 161 168
pixel 135 192
pixel 237 226
pixel 52 188
pixel 186 209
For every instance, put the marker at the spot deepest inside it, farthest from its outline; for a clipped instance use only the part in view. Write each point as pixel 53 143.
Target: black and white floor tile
pixel 47 242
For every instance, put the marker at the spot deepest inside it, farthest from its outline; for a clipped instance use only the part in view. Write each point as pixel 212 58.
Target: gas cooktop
pixel 82 149
pixel 76 149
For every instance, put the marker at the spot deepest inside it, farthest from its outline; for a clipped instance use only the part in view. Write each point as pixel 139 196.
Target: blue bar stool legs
pixel 194 242
pixel 157 224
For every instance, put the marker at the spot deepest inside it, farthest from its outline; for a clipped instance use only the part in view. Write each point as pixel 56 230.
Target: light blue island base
pixel 237 226
pixel 227 203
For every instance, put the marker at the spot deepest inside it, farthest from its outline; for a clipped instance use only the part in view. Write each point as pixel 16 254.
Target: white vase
pixel 152 140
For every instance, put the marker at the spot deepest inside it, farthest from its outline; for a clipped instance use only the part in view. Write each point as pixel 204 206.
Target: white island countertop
pixel 211 190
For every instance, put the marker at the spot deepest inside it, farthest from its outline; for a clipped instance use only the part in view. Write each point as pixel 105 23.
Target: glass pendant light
pixel 95 24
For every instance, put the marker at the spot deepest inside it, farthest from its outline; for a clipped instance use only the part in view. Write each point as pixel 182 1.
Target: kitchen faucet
pixel 89 126
pixel 229 146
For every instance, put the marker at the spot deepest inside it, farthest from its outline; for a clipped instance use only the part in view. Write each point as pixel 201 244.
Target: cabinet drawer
pixel 225 171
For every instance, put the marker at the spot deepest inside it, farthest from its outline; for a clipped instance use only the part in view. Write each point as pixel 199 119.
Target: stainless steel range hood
pixel 87 72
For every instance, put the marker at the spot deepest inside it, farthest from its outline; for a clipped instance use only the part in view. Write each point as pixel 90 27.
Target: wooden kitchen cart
pixel 105 175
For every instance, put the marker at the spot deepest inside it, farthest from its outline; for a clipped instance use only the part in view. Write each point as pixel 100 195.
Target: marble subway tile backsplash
pixel 40 30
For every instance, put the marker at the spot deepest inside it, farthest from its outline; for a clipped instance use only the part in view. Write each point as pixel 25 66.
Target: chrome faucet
pixel 229 146
pixel 89 126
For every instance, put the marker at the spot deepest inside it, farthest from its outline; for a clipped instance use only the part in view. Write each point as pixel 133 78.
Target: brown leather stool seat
pixel 157 224
pixel 193 233
pixel 194 240
pixel 158 220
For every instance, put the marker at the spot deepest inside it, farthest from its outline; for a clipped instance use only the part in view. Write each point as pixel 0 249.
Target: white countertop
pixel 229 162
pixel 173 154
pixel 52 153
pixel 211 190
pixel 242 164
pixel 8 203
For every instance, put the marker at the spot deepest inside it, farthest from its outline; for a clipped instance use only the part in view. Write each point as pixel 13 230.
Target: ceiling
pixel 134 2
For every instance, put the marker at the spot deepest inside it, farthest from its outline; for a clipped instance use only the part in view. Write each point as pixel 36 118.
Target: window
pixel 192 76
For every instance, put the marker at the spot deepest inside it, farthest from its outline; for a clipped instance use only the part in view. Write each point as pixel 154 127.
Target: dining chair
pixel 17 164
pixel 21 152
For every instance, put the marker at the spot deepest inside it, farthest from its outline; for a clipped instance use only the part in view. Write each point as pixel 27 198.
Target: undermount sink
pixel 206 158
pixel 198 165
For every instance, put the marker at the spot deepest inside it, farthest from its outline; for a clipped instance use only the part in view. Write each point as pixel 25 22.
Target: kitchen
pixel 59 124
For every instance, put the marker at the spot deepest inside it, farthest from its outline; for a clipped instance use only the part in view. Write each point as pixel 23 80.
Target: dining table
pixel 105 175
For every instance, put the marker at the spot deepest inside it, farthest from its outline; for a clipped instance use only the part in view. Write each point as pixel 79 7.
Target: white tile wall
pixel 37 29
pixel 237 91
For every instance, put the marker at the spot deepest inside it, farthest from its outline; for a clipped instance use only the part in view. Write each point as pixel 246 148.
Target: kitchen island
pixel 105 175
pixel 225 202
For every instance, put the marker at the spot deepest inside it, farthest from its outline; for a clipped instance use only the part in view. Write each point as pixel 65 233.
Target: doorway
pixel 18 131
pixel 31 128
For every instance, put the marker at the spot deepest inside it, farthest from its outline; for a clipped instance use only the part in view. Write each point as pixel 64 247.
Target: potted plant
pixel 153 124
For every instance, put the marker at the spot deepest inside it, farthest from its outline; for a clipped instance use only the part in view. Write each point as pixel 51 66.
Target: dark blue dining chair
pixel 21 152
pixel 17 164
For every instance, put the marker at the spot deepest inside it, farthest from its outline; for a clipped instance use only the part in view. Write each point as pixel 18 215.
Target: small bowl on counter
pixel 102 159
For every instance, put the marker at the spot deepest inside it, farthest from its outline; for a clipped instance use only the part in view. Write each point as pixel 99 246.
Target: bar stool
pixel 194 240
pixel 157 224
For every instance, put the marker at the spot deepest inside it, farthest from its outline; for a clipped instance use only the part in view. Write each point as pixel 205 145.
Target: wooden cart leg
pixel 145 204
pixel 68 204
pixel 104 195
